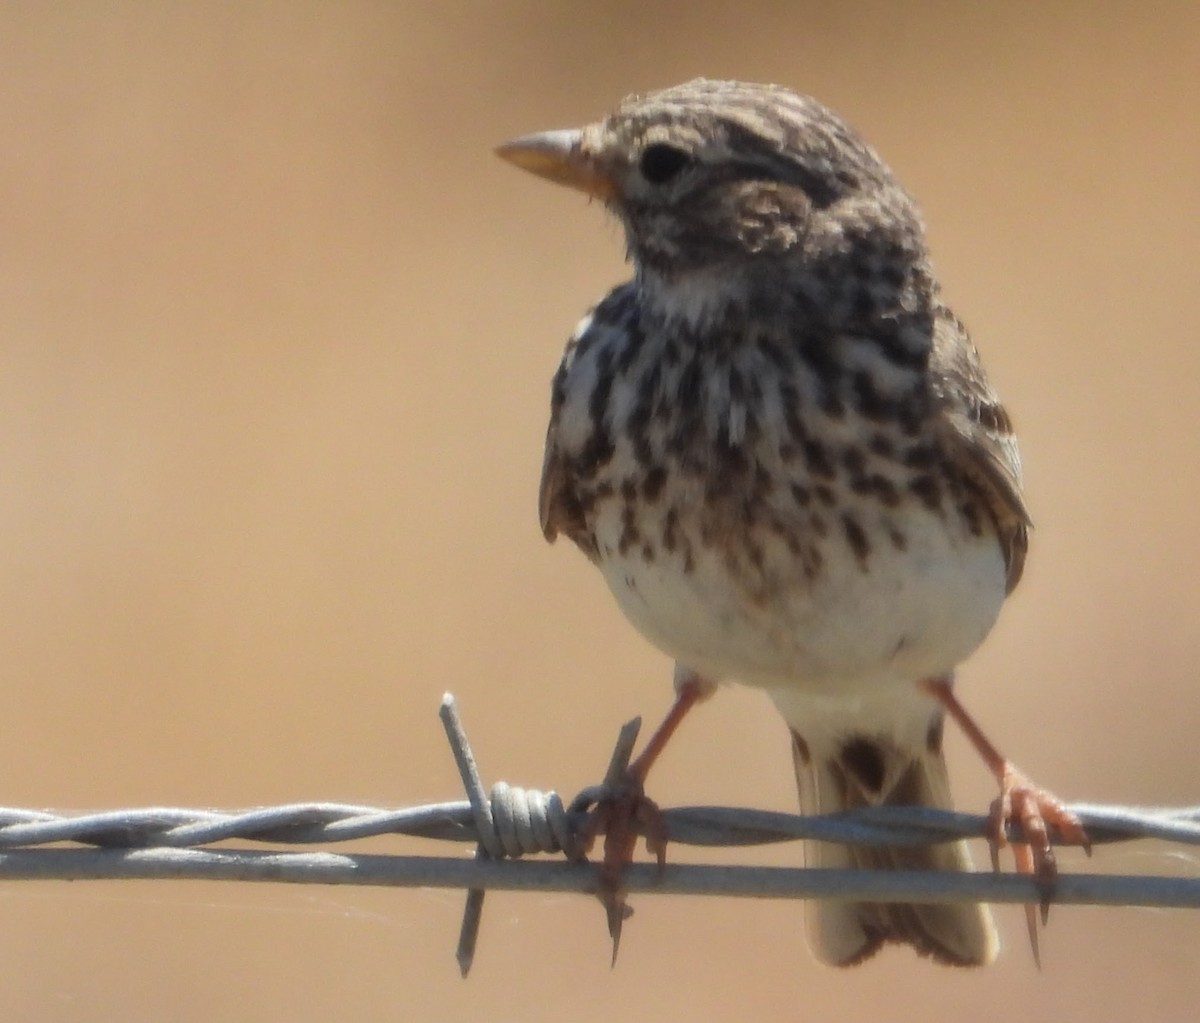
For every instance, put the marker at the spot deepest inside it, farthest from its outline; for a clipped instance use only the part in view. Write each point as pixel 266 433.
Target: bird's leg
pixel 624 810
pixel 1020 803
pixel 690 689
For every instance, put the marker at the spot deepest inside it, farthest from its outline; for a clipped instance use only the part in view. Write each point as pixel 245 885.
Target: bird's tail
pixel 866 772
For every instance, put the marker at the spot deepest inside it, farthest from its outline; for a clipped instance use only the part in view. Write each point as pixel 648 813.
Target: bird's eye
pixel 661 162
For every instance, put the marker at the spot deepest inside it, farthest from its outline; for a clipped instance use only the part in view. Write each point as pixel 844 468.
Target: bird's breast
pixel 769 516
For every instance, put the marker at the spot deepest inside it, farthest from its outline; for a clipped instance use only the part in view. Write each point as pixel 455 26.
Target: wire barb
pixel 489 843
pixel 510 822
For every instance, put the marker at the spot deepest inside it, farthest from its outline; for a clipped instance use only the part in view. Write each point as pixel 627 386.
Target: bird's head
pixel 725 176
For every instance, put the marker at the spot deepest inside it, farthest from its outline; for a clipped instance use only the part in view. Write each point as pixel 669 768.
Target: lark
pixel 778 445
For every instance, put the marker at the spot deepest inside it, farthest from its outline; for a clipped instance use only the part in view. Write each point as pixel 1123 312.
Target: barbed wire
pixel 510 822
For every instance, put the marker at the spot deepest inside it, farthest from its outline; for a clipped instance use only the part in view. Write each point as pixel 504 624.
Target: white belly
pixel 897 615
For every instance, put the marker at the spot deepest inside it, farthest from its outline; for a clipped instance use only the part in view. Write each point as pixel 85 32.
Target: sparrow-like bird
pixel 779 447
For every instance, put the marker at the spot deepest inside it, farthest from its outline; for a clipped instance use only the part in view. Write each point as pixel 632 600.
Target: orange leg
pixel 689 694
pixel 621 813
pixel 1022 804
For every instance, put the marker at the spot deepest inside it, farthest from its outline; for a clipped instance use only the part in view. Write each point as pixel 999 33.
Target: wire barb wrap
pixel 531 821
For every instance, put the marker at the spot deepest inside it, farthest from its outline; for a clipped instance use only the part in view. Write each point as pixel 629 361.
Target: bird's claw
pixel 1031 812
pixel 621 813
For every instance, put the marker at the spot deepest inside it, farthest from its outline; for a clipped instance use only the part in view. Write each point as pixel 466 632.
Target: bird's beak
pixel 558 156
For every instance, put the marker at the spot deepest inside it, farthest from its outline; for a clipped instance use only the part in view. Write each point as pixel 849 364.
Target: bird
pixel 779 447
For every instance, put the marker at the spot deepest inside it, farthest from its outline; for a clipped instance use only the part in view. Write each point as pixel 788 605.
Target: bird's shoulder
pixel 579 391
pixel 975 435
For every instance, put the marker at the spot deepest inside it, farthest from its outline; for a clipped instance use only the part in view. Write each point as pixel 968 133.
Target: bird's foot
pixel 621 813
pixel 1031 812
pixel 620 809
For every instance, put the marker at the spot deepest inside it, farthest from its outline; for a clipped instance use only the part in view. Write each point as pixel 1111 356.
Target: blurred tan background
pixel 276 331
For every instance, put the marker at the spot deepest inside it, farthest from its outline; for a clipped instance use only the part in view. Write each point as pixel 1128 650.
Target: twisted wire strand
pixel 511 822
pixel 528 821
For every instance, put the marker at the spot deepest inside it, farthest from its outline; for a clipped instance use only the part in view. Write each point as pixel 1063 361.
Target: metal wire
pixel 164 842
pixel 528 821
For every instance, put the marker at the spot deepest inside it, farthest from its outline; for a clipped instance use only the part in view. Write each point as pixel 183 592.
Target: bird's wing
pixel 582 384
pixel 976 436
pixel 559 506
pixel 560 500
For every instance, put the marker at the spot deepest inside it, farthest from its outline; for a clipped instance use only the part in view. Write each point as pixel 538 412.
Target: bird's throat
pixel 694 299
